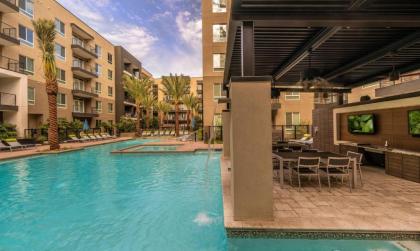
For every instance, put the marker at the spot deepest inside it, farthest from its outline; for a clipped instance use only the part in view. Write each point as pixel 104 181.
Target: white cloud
pixel 189 28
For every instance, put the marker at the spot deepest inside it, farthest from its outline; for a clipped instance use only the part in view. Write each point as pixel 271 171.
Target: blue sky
pixel 164 34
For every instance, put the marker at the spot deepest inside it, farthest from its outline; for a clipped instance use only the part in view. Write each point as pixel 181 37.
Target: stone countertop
pixel 381 148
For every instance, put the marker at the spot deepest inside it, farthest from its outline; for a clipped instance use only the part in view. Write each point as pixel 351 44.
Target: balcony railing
pixel 11 1
pixel 7 99
pixel 82 44
pixel 80 64
pixel 8 30
pixel 10 64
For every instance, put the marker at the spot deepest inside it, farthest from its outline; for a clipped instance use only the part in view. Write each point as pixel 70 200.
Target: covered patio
pixel 318 47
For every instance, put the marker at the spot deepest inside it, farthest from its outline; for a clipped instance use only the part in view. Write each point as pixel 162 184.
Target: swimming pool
pixel 93 200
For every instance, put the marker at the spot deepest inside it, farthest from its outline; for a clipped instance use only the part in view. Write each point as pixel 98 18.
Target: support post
pixel 226 133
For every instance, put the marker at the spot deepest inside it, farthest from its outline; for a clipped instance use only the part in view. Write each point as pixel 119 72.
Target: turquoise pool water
pixel 93 200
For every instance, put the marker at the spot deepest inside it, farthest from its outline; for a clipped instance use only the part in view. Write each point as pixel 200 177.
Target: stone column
pixel 226 133
pixel 251 139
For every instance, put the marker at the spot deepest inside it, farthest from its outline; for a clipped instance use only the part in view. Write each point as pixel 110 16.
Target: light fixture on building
pixel 394 75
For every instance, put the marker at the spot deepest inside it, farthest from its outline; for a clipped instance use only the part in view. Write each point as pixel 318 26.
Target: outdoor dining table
pixel 294 156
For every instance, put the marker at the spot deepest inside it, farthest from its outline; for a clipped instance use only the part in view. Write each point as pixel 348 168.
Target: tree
pixel 175 87
pixel 163 108
pixel 191 103
pixel 45 33
pixel 138 89
pixel 149 103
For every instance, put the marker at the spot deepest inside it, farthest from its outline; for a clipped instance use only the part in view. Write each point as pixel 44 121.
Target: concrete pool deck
pixel 386 207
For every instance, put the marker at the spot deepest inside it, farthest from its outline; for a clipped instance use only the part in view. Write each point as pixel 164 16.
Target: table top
pixel 296 155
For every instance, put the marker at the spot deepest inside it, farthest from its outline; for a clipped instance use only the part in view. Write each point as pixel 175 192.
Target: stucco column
pixel 251 139
pixel 226 133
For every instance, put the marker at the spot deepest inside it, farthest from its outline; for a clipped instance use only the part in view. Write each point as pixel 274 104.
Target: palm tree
pixel 191 103
pixel 163 108
pixel 45 33
pixel 149 103
pixel 138 89
pixel 175 87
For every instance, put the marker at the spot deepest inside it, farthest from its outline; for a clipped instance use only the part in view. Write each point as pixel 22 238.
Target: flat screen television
pixel 414 122
pixel 361 124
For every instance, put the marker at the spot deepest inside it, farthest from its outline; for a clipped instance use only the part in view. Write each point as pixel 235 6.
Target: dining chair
pixel 357 157
pixel 307 167
pixel 337 167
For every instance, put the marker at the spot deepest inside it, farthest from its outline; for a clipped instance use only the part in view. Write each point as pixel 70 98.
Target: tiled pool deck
pixel 385 207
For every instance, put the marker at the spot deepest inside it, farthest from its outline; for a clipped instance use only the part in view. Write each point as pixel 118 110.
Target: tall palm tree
pixel 163 108
pixel 175 87
pixel 149 103
pixel 45 33
pixel 138 89
pixel 191 103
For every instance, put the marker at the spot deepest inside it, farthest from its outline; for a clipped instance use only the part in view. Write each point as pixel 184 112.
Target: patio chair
pixel 16 144
pixel 98 137
pixel 307 167
pixel 337 167
pixel 358 158
pixel 4 147
pixel 73 139
pixel 85 138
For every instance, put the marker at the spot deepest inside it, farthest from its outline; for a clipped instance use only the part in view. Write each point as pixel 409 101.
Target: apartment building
pixel 85 62
pixel 294 108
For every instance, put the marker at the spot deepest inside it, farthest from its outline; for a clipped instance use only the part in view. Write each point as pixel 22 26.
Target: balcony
pixel 80 32
pixel 8 102
pixel 81 93
pixel 79 69
pixel 199 91
pixel 83 50
pixel 8 6
pixel 8 35
pixel 85 113
pixel 10 64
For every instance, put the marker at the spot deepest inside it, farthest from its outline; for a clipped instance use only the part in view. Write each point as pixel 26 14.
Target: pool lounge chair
pixel 98 137
pixel 16 144
pixel 4 147
pixel 85 138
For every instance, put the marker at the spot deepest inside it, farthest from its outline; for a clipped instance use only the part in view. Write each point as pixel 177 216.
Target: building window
pixel 98 69
pixel 98 51
pixel 31 96
pixel 98 106
pixel 110 108
pixel 98 123
pixel 60 27
pixel 219 6
pixel 61 75
pixel 61 100
pixel 78 84
pixel 26 36
pixel 60 51
pixel 98 88
pixel 292 119
pixel 218 62
pixel 219 33
pixel 110 58
pixel 217 91
pixel 27 7
pixel 217 120
pixel 27 64
pixel 79 106
pixel 109 74
pixel 110 91
pixel 292 96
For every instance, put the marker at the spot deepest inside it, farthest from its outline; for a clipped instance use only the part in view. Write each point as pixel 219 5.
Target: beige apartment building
pixel 295 108
pixel 85 62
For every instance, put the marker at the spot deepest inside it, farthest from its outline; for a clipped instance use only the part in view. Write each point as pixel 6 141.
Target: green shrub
pixel 126 125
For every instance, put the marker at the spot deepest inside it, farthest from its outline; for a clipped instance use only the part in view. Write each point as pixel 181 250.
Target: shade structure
pixel 86 125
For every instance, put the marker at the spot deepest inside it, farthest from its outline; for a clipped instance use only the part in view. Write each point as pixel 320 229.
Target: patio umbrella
pixel 86 125
pixel 193 123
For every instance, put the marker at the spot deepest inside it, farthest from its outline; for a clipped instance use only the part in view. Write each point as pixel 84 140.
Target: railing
pixel 81 64
pixel 11 1
pixel 10 64
pixel 288 132
pixel 213 132
pixel 82 44
pixel 92 110
pixel 7 99
pixel 8 30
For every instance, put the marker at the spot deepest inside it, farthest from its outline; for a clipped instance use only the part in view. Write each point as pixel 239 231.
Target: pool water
pixel 154 148
pixel 93 200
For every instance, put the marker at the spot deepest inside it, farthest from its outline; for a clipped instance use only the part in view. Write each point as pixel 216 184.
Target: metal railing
pixel 11 1
pixel 10 64
pixel 213 132
pixel 288 132
pixel 82 44
pixel 8 30
pixel 82 65
pixel 7 99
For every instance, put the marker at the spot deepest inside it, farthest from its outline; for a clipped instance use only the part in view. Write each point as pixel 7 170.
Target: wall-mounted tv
pixel 414 122
pixel 361 124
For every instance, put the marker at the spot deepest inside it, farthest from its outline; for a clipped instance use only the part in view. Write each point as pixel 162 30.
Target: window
pixel 60 27
pixel 110 108
pixel 61 100
pixel 98 69
pixel 79 106
pixel 78 84
pixel 98 51
pixel 31 96
pixel 27 64
pixel 109 74
pixel 219 6
pixel 292 96
pixel 98 106
pixel 219 33
pixel 110 58
pixel 292 118
pixel 98 87
pixel 61 75
pixel 27 7
pixel 60 51
pixel 217 91
pixel 98 123
pixel 217 120
pixel 218 62
pixel 110 91
pixel 26 36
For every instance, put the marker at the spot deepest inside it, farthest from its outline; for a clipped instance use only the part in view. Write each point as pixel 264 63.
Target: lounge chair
pixel 337 167
pixel 85 138
pixel 98 137
pixel 16 144
pixel 4 147
pixel 92 137
pixel 307 167
pixel 105 136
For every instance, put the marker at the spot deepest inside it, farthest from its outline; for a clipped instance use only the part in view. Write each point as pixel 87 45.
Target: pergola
pixel 272 42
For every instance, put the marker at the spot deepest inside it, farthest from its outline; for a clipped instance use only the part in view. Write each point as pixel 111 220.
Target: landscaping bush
pixel 126 125
pixel 7 131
